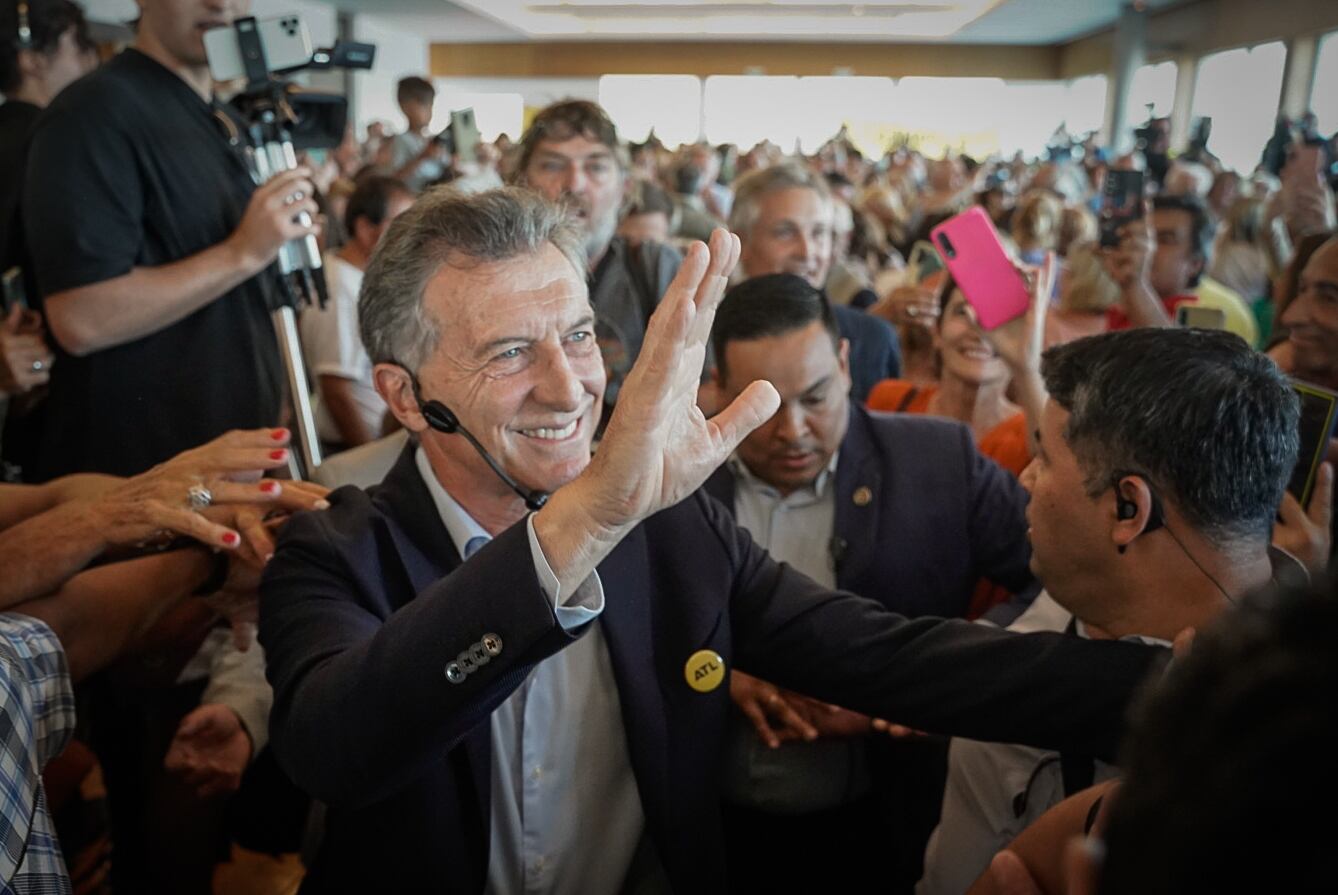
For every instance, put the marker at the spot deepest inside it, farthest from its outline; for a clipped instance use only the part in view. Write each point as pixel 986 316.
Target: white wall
pixel 398 53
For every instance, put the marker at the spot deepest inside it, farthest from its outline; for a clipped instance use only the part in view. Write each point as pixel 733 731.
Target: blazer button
pixel 465 662
pixel 492 644
pixel 454 673
pixel 478 655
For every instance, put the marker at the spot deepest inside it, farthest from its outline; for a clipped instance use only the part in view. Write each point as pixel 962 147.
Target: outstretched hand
pixel 659 446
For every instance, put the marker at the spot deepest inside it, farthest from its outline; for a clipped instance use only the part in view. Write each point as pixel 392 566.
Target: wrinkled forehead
pixel 473 303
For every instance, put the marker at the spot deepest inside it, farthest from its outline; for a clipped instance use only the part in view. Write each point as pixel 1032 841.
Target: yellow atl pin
pixel 705 670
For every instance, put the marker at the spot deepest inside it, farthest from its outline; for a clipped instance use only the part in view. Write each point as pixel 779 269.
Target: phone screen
pixel 1319 415
pixel 1121 202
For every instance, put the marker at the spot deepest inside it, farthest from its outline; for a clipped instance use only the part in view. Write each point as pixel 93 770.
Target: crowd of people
pixel 680 526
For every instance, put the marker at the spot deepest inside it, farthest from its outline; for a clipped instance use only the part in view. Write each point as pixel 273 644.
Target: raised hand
pixel 1307 534
pixel 659 446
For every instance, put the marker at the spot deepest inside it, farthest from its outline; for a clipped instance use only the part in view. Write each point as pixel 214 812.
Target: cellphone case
pixel 970 247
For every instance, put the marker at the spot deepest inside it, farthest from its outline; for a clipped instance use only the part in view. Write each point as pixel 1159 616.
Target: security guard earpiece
pixel 1127 508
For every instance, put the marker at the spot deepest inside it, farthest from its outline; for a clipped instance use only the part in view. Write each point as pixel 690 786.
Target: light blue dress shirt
pixel 566 816
pixel 799 777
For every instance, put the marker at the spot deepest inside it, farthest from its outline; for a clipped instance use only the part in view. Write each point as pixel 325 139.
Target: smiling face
pixel 518 364
pixel 965 353
pixel 1312 318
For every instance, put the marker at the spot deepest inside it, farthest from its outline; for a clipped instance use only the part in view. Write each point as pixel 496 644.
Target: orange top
pixel 1005 444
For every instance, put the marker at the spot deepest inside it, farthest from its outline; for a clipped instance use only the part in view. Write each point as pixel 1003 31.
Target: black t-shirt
pixel 130 168
pixel 16 122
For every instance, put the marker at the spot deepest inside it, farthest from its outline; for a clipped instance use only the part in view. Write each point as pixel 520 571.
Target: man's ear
pixel 1133 493
pixel 396 389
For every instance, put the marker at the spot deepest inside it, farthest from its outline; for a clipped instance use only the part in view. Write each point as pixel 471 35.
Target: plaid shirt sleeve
pixel 36 721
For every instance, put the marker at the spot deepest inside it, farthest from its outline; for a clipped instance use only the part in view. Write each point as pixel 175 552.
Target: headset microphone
pixel 441 418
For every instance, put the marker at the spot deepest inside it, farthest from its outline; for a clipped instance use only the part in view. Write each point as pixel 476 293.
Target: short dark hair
pixel 414 88
pixel 1228 760
pixel 769 305
pixel 1201 227
pixel 370 199
pixel 1210 422
pixel 48 20
pixel 567 119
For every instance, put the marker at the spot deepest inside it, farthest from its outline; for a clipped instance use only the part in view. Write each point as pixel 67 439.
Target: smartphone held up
pixel 1121 204
pixel 981 267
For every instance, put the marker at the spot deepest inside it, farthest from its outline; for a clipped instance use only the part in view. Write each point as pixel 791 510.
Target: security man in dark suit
pixel 901 509
pixel 487 697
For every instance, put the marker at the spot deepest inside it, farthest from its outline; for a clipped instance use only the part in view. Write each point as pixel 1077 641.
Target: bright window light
pixel 747 109
pixel 494 113
pixel 1026 119
pixel 1084 108
pixel 1153 85
pixel 671 104
pixel 1324 93
pixel 1240 89
pixel 958 114
pixel 825 104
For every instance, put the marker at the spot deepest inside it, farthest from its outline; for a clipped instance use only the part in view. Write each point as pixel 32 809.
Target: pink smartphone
pixel 970 247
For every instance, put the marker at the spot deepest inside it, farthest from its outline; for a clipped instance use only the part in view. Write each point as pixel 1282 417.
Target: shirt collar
pixel 459 525
pixel 745 478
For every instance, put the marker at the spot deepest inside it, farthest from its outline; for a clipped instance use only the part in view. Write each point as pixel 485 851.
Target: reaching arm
pixel 98 613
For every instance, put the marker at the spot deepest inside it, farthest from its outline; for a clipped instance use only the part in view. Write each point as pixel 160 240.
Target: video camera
pixel 280 120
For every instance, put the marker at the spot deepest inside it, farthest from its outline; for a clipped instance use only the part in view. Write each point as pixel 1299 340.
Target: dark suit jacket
pixel 364 605
pixel 939 516
pixel 875 353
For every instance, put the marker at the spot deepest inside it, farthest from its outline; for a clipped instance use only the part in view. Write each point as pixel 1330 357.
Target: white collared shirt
pixel 565 816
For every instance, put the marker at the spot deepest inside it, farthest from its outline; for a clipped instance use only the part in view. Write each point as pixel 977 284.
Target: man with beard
pixel 571 154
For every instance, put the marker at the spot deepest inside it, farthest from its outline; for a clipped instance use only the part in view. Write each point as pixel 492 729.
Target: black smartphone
pixel 1319 417
pixel 1121 203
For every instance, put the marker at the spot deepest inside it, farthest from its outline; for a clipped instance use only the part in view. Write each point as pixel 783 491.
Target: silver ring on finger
pixel 199 497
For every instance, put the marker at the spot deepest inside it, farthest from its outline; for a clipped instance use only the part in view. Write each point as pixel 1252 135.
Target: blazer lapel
pixel 859 485
pixel 415 527
pixel 428 554
pixel 629 631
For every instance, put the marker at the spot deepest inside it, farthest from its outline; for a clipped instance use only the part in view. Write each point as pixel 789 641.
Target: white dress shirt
pixel 996 790
pixel 566 816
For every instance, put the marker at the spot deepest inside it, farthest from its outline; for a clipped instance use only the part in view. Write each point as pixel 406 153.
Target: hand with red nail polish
pixel 228 468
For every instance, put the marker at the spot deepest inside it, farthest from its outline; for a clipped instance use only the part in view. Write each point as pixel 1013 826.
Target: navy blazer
pixel 921 515
pixel 365 605
pixel 875 351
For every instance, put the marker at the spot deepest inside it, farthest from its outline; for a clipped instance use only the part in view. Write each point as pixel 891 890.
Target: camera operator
pixel 149 242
